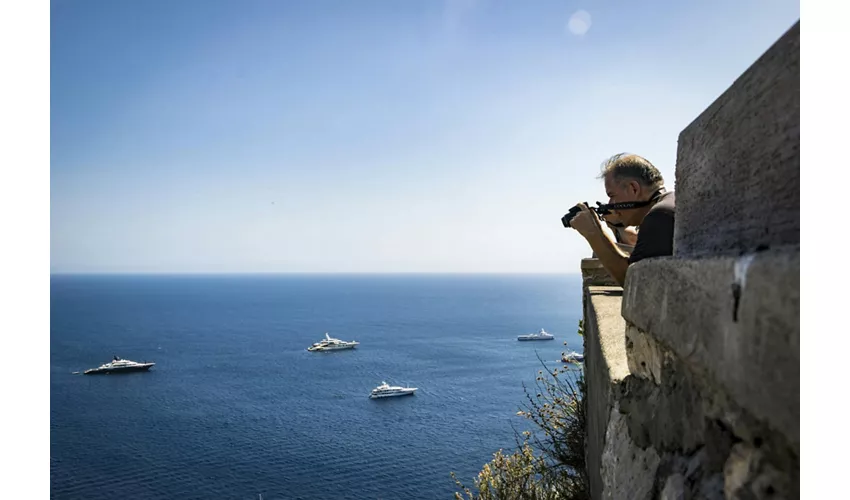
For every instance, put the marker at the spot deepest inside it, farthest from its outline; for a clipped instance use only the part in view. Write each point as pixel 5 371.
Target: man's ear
pixel 634 188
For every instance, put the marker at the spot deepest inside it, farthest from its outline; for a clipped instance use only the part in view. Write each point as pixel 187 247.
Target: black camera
pixel 600 209
pixel 570 215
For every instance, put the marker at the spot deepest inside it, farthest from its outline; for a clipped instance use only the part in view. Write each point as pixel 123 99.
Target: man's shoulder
pixel 666 204
pixel 655 238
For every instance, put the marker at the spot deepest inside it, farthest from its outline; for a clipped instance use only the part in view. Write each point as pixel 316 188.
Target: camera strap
pixel 628 205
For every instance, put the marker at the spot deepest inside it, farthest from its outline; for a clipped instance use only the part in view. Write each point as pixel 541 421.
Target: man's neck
pixel 642 211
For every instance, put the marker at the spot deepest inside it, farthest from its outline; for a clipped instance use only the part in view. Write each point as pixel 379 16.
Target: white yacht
pixel 572 357
pixel 118 365
pixel 541 335
pixel 387 391
pixel 332 344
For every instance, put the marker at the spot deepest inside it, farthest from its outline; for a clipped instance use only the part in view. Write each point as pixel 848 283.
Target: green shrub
pixel 548 463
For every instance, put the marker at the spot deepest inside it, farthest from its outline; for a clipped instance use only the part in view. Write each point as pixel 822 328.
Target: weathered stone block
pixel 738 163
pixel 644 355
pixel 733 320
pixel 692 424
pixel 669 416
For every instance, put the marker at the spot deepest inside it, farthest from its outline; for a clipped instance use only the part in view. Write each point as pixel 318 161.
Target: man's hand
pixel 587 223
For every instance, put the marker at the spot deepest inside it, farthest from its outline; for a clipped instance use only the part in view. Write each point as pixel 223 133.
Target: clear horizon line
pixel 311 273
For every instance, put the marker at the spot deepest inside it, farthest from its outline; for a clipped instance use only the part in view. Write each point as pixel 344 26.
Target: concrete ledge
pixel 605 366
pixel 604 306
pixel 749 344
pixel 738 163
pixel 594 274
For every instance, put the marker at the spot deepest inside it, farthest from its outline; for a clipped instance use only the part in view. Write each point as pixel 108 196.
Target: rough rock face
pixel 627 470
pixel 659 428
pixel 717 447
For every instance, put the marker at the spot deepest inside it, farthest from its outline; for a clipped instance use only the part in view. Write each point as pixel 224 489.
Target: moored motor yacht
pixel 572 357
pixel 331 344
pixel 387 391
pixel 541 335
pixel 118 365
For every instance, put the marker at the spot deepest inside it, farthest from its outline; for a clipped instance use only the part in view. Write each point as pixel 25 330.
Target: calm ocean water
pixel 236 407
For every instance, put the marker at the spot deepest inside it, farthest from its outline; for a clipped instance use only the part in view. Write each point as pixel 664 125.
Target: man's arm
pixel 588 224
pixel 612 258
pixel 628 235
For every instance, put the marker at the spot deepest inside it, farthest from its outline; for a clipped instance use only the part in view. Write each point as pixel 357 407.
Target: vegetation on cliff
pixel 549 462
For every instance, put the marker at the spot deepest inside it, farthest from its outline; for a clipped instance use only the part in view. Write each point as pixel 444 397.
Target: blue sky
pixel 367 136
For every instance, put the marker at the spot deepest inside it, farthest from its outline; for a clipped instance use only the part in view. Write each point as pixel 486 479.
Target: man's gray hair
pixel 625 166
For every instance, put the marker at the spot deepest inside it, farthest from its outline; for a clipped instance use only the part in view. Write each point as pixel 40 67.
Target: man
pixel 633 180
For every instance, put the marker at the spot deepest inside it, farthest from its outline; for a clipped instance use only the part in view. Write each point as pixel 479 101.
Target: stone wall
pixel 738 164
pixel 693 368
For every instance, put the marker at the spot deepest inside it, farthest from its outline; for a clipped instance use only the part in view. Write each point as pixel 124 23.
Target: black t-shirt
pixel 655 234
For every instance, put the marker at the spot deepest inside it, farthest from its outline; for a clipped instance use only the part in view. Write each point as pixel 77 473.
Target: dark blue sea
pixel 236 407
